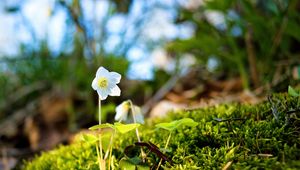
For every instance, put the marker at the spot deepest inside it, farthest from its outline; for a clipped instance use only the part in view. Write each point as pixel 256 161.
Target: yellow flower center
pixel 102 82
pixel 126 106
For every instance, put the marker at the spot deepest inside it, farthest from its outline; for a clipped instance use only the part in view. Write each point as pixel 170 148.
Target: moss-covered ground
pixel 263 136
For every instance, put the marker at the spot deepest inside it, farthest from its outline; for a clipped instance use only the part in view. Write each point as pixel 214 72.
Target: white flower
pixel 105 83
pixel 122 111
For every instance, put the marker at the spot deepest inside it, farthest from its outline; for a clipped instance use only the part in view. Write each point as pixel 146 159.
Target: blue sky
pixel 51 25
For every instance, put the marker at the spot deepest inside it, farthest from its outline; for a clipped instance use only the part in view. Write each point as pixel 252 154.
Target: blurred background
pixel 172 54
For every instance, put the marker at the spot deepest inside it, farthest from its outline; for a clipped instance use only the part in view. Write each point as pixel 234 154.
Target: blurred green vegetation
pixel 71 74
pixel 256 39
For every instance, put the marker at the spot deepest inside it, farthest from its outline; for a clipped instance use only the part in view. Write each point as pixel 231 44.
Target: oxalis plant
pixel 105 83
pixel 170 127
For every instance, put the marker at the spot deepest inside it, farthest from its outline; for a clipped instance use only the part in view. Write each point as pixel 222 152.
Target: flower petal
pixel 139 117
pixel 102 94
pixel 115 77
pixel 115 91
pixel 94 84
pixel 121 112
pixel 102 72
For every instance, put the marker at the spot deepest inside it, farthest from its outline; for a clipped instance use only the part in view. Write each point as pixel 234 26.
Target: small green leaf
pixel 177 123
pixel 143 167
pixel 102 126
pixel 230 153
pixel 89 138
pixel 135 160
pixel 126 164
pixel 293 92
pixel 122 128
pixel 105 139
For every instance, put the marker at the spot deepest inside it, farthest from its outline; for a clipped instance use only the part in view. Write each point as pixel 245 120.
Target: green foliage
pixel 265 31
pixel 176 124
pixel 70 74
pixel 122 128
pixel 76 156
pixel 89 138
pixel 93 138
pixel 293 92
pixel 127 164
pixel 132 164
pixel 102 126
pixel 248 136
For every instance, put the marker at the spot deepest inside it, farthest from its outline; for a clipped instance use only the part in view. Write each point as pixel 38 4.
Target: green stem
pixel 110 154
pixel 168 140
pixel 100 136
pixel 167 143
pixel 110 144
pixel 98 156
pixel 136 129
pixel 134 120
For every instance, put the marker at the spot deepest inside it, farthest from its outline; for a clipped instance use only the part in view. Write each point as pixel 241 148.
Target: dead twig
pixel 160 93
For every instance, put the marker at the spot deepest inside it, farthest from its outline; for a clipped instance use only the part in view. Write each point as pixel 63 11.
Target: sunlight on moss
pixel 248 137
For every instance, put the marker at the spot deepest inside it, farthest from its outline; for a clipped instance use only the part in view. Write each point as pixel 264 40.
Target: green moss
pixel 250 137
